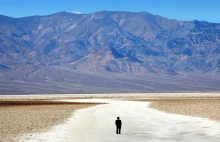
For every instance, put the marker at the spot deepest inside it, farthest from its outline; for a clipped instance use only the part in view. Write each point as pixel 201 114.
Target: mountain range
pixel 129 43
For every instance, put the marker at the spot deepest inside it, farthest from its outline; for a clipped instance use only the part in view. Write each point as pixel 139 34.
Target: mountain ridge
pixel 159 44
pixel 106 11
pixel 107 52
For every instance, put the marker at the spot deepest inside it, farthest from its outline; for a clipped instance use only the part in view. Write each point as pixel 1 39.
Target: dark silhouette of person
pixel 118 124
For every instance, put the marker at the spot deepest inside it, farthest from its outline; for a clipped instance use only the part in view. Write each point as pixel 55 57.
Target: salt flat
pixel 139 123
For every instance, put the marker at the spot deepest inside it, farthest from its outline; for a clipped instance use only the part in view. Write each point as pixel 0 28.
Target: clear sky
pixel 207 10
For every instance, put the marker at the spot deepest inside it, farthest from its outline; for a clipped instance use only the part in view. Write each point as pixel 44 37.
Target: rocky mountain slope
pixel 106 41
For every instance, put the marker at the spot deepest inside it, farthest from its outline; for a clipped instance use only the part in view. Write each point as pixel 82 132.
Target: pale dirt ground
pixel 139 123
pixel 20 119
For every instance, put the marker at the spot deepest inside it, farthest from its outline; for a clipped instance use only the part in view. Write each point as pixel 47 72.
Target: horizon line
pixel 82 13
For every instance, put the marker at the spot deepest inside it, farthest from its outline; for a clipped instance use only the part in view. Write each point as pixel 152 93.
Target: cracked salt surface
pixel 139 123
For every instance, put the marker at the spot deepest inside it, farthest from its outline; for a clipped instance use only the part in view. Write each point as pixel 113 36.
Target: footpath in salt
pixel 139 123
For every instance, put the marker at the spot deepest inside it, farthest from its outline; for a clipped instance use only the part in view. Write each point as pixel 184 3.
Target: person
pixel 118 124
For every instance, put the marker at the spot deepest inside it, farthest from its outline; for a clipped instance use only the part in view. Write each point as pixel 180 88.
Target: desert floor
pixel 29 116
pixel 145 117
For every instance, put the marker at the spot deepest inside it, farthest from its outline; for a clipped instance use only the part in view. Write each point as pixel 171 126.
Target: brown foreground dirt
pixel 20 117
pixel 207 108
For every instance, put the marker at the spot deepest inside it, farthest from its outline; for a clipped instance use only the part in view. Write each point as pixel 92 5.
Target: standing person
pixel 118 124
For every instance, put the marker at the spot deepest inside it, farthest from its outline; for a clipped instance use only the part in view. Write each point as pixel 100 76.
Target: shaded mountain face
pixel 124 42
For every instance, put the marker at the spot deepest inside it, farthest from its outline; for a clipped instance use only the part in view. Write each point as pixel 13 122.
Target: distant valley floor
pixel 58 80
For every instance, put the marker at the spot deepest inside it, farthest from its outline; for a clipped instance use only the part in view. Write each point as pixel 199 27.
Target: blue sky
pixel 208 10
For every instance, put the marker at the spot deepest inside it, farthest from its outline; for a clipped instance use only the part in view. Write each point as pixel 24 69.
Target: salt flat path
pixel 139 123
